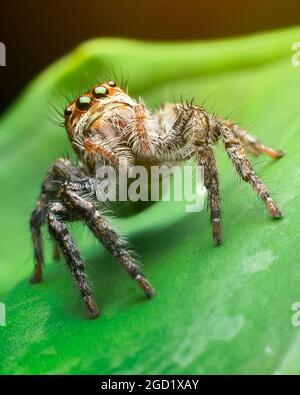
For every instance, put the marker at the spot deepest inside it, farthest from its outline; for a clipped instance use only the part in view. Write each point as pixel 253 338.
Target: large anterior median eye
pixel 99 92
pixel 83 103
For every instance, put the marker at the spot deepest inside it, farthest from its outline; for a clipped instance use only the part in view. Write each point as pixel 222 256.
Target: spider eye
pixel 99 92
pixel 112 83
pixel 68 111
pixel 83 103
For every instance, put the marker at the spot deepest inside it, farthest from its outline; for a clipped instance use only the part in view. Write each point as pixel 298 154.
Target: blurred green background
pixel 36 33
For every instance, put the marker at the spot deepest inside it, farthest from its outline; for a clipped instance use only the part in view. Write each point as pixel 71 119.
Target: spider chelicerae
pixel 106 125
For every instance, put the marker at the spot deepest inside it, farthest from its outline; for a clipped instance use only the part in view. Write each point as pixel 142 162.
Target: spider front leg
pixel 59 232
pixel 103 231
pixel 61 169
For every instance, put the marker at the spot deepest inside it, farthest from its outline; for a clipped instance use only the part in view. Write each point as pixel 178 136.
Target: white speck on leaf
pixel 259 261
pixel 217 327
pixel 269 350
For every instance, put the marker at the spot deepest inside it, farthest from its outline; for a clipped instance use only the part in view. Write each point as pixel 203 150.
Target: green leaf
pixel 220 309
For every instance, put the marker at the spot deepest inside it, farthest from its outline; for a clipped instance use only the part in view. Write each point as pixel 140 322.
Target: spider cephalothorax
pixel 106 126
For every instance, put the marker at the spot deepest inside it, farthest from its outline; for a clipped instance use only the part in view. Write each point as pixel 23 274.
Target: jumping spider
pixel 105 125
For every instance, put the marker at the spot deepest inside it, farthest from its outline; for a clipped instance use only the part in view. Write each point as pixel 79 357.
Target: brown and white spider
pixel 106 125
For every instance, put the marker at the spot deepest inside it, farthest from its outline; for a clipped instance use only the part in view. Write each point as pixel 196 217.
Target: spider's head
pixel 94 110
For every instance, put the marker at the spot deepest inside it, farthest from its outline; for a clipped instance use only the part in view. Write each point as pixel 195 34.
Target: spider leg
pixel 253 145
pixel 243 167
pixel 203 137
pixel 36 220
pixel 61 169
pixel 103 231
pixel 191 136
pixel 206 159
pixel 172 137
pixel 59 232
pixel 56 251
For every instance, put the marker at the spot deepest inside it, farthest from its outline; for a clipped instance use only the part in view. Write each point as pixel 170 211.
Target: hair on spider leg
pixel 228 117
pixel 66 156
pixel 174 100
pixel 108 212
pixel 181 101
pixel 249 127
pixel 257 161
pixel 190 103
pixel 208 96
pixel 186 104
pixel 111 216
pixel 254 166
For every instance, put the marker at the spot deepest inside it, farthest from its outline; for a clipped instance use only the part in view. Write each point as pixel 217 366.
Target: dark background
pixel 38 32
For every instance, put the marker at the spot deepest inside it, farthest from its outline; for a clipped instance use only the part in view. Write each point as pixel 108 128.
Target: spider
pixel 105 125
